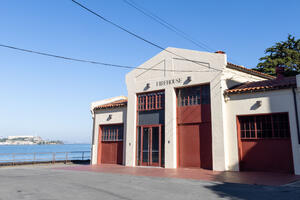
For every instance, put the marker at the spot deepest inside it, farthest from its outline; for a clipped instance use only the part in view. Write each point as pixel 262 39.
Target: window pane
pixel 193 95
pixel 264 126
pixel 150 101
pixel 145 144
pixel 138 144
pixel 112 133
pixel 205 94
pixel 243 134
pixel 155 144
pixel 162 145
pixel 120 133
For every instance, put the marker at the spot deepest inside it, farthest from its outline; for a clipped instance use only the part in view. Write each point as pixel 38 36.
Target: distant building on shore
pixel 25 140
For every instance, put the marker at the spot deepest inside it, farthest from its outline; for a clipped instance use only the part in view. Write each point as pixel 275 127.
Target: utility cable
pixel 141 38
pixel 105 64
pixel 171 27
pixel 91 61
pixel 168 25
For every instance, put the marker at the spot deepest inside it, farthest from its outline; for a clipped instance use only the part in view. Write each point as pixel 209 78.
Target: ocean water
pixel 23 153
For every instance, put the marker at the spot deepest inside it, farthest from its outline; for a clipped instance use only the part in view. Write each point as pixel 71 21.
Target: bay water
pixel 28 153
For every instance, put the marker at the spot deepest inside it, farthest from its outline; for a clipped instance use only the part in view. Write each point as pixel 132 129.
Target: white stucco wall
pixel 272 102
pixel 297 92
pixel 136 81
pixel 204 68
pixel 232 78
pixel 118 116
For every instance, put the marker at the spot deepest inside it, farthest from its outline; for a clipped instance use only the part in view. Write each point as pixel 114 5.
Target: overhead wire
pixel 117 65
pixel 93 62
pixel 141 38
pixel 168 25
pixel 147 41
pixel 107 64
pixel 171 27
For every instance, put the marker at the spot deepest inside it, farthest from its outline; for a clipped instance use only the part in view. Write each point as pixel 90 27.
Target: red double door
pixel 150 145
pixel 194 136
pixel 110 146
pixel 265 143
pixel 112 152
pixel 195 149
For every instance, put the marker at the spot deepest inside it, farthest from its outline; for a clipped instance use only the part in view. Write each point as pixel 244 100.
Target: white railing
pixel 44 157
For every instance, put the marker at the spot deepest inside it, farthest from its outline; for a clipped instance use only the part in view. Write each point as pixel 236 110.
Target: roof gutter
pixel 296 113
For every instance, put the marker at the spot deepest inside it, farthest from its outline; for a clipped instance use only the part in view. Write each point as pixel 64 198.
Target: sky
pixel 51 98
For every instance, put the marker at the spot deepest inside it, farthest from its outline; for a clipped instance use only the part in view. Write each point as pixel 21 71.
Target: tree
pixel 285 54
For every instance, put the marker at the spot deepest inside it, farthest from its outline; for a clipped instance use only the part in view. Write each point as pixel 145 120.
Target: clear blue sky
pixel 51 98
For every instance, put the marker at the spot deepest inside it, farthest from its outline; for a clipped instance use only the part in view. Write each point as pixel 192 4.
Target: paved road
pixel 47 183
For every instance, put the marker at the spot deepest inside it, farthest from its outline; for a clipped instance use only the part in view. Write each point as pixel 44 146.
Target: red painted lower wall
pixel 189 146
pixel 274 155
pixel 195 145
pixel 193 114
pixel 205 145
pixel 111 152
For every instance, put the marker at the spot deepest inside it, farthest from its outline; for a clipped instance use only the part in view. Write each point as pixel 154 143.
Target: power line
pixel 140 37
pixel 171 27
pixel 115 65
pixel 102 63
pixel 91 61
pixel 63 57
pixel 153 44
pixel 168 25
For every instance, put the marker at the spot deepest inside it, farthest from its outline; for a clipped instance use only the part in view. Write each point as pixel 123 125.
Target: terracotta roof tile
pixel 249 71
pixel 282 83
pixel 115 104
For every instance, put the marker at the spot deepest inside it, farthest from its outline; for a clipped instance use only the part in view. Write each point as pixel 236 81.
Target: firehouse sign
pixel 168 82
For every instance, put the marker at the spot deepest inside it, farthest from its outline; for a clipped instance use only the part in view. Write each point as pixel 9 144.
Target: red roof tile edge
pixel 249 71
pixel 266 85
pixel 115 104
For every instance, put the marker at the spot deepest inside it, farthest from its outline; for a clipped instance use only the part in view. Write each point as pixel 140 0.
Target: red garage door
pixel 189 146
pixel 195 145
pixel 194 127
pixel 264 143
pixel 110 149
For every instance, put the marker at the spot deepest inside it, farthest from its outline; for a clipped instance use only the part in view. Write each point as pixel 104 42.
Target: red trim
pixel 153 91
pixel 136 130
pixel 100 140
pixel 159 104
pixel 141 150
pixel 99 146
pixel 194 120
pixel 262 114
pixel 150 147
pixel 144 105
pixel 159 146
pixel 150 163
pixel 177 131
pixel 249 121
pixel 188 86
pixel 241 151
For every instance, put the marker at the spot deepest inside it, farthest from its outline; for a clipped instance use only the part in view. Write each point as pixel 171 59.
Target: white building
pixel 194 109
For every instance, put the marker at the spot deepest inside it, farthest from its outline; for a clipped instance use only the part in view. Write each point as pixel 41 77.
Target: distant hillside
pixel 25 140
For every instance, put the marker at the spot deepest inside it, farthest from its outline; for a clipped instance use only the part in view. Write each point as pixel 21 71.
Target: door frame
pixel 149 163
pixel 239 139
pixel 99 149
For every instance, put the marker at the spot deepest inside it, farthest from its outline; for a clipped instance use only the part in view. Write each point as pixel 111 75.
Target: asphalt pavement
pixel 49 183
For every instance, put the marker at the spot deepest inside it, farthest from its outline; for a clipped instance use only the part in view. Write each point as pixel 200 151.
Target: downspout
pixel 296 113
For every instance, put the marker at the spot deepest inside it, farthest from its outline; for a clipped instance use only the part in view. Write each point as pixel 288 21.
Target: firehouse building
pixel 196 110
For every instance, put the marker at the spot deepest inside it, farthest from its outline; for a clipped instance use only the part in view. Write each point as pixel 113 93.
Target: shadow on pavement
pixel 249 192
